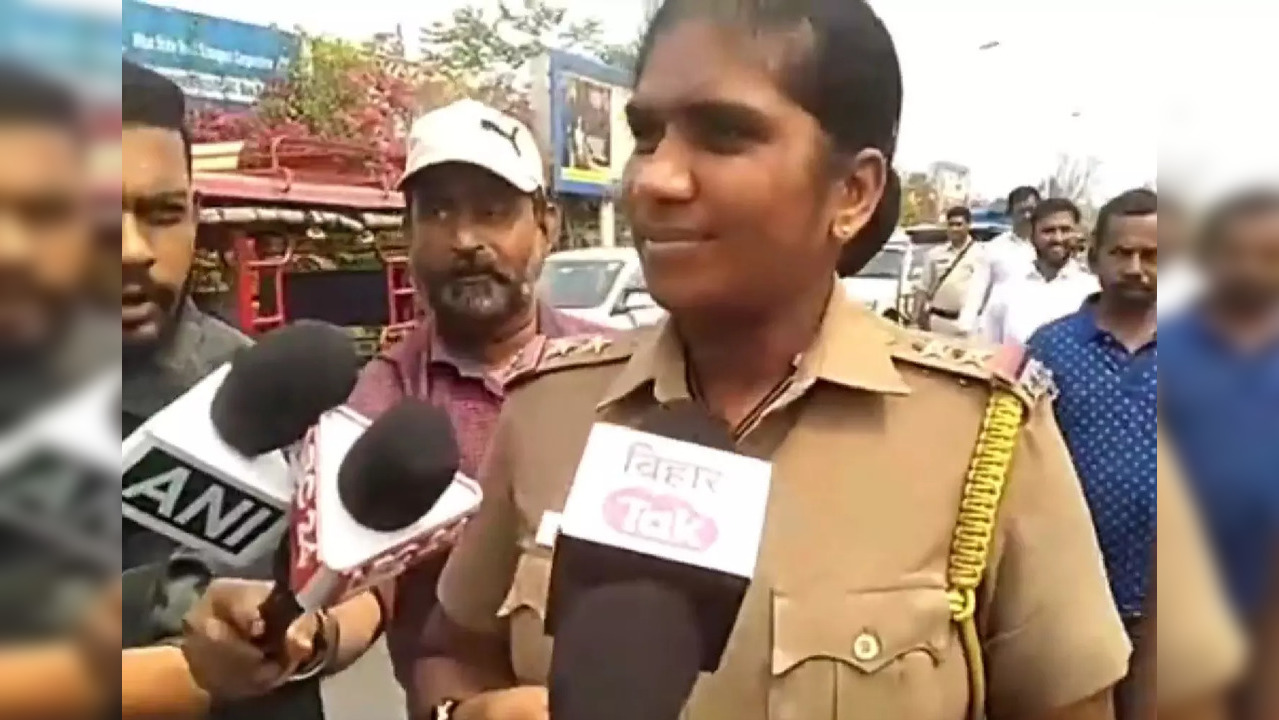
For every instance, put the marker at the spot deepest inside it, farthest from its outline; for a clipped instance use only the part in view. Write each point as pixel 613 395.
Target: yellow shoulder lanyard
pixel 975 529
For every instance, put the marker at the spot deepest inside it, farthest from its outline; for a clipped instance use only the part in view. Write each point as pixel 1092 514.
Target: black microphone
pixel 671 503
pixel 277 389
pixel 204 472
pixel 625 651
pixel 370 520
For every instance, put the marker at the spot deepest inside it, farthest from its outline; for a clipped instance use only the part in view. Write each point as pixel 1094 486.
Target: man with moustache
pixel 1005 257
pixel 1050 287
pixel 50 340
pixel 1104 359
pixel 168 346
pixel 480 223
pixel 168 343
pixel 1219 391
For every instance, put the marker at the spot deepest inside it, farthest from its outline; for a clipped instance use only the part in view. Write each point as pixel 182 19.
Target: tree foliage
pixel 476 43
pixel 1074 178
pixel 337 91
pixel 483 53
pixel 370 92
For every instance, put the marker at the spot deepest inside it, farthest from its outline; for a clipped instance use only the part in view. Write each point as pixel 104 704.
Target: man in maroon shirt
pixel 480 224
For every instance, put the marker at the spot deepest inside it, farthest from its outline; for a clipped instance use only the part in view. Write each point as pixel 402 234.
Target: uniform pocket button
pixel 867 647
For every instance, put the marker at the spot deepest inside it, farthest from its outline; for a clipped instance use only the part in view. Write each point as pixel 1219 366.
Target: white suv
pixel 602 285
pixel 884 284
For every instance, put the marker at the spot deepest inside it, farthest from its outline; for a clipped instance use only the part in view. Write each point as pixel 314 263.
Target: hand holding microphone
pixel 245 638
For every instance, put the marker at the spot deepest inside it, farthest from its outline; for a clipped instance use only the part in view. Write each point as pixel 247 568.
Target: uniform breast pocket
pixel 524 609
pixel 864 656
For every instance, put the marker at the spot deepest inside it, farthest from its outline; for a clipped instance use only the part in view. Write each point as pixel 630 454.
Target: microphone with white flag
pixel 671 515
pixel 207 471
pixel 371 501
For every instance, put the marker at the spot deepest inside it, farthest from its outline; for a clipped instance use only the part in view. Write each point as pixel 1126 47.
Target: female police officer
pixel 886 588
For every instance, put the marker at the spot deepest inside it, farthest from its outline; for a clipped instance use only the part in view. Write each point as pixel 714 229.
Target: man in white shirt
pixel 1052 287
pixel 1006 257
pixel 1012 252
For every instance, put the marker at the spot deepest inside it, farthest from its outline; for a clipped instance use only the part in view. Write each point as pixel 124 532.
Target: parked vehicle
pixel 602 285
pixel 885 283
pixel 301 229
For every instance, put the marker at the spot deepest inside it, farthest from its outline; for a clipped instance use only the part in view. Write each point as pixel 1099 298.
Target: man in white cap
pixel 479 223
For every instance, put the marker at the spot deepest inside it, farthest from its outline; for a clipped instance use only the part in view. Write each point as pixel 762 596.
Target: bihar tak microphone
pixel 671 503
pixel 206 470
pixel 371 501
pixel 642 668
pixel 58 475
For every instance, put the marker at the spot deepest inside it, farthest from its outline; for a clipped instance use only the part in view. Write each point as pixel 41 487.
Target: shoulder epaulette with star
pixel 574 351
pixel 1007 366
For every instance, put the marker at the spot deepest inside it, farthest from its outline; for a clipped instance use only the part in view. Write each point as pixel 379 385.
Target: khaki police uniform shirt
pixel 951 296
pixel 1200 646
pixel 847 616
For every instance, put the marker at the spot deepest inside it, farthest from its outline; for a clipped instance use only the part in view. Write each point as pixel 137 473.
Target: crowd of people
pixel 762 169
pixel 1088 304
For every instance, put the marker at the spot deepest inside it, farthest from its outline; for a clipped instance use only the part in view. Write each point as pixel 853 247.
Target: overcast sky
pixel 1104 78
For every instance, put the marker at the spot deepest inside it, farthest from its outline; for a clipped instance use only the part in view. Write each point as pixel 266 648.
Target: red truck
pixel 302 229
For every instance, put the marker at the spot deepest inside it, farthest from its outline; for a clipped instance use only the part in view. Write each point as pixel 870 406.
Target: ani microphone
pixel 206 472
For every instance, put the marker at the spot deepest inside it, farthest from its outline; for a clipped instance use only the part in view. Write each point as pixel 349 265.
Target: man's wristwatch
pixel 445 710
pixel 327 637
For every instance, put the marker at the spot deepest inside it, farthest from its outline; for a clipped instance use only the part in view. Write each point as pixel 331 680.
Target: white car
pixel 884 284
pixel 602 285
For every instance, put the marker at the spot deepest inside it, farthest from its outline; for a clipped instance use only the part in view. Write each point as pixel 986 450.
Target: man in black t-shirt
pixel 168 346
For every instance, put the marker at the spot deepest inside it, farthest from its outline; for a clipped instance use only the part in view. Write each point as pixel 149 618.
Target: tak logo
pixel 663 519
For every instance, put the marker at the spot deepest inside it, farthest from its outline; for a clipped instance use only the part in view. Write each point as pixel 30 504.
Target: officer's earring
pixel 843 229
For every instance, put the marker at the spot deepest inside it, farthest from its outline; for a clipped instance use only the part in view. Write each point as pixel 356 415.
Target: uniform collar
pixel 550 324
pixel 852 350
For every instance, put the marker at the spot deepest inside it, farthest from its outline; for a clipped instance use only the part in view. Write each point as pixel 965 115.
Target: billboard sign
pixel 579 106
pixel 212 59
pixel 71 44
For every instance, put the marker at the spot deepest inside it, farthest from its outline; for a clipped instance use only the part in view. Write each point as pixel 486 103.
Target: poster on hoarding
pixel 587 151
pixel 212 59
pixel 579 108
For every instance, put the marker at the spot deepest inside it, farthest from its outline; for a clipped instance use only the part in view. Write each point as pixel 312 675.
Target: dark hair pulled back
pixel 840 65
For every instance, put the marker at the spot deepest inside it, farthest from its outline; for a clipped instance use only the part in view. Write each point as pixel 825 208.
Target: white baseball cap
pixel 471 132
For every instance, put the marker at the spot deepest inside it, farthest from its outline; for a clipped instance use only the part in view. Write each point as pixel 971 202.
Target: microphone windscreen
pixel 279 387
pixel 397 470
pixel 625 651
pixel 687 421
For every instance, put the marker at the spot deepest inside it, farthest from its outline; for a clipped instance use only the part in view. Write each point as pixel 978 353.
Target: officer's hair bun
pixel 875 234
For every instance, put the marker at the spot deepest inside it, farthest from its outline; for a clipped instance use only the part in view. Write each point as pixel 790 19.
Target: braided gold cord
pixel 975 528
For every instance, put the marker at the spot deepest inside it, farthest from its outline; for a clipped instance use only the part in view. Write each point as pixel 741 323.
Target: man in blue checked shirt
pixel 1103 358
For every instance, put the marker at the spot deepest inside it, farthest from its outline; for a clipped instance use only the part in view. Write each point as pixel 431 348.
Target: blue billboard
pixel 590 139
pixel 77 46
pixel 212 59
